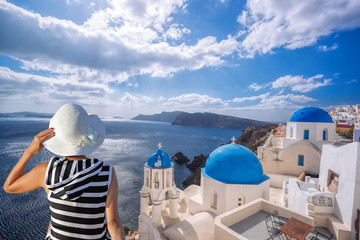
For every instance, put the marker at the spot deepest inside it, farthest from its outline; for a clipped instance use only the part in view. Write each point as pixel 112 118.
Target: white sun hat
pixel 76 132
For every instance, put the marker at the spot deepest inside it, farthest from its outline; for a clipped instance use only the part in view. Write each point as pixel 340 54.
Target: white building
pixel 334 198
pixel 356 133
pixel 300 151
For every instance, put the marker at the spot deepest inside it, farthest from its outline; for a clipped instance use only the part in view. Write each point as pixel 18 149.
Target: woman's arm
pixel 19 183
pixel 113 220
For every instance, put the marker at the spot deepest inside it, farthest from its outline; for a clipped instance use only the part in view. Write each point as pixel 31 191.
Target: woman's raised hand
pixel 16 182
pixel 37 144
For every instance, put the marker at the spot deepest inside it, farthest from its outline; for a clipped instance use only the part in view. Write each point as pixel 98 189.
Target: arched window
pixel 168 180
pixel 325 134
pixel 157 180
pixel 147 178
pixel 158 162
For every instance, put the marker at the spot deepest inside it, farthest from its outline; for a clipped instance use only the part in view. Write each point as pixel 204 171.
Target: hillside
pixel 160 117
pixel 214 120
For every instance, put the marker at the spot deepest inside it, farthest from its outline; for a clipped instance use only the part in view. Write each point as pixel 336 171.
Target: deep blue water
pixel 127 146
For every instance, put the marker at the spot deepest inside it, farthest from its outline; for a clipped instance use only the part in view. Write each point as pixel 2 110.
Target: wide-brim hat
pixel 76 132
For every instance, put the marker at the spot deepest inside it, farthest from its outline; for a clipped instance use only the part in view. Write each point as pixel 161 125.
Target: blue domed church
pixel 300 150
pixel 232 176
pixel 158 186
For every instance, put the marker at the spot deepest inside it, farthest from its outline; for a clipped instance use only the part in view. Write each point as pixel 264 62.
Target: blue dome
pixel 234 164
pixel 159 159
pixel 311 114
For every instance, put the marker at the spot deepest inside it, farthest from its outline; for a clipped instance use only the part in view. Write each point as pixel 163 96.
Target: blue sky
pixel 253 59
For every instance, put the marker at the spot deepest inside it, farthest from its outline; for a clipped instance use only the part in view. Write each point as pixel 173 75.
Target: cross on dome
pixel 159 145
pixel 233 140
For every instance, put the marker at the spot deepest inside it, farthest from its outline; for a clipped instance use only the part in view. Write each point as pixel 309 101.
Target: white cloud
pixel 123 40
pixel 243 18
pixel 26 87
pixel 243 99
pixel 293 24
pixel 257 87
pixel 351 81
pixel 325 48
pixel 176 32
pixel 161 98
pixel 194 100
pixel 300 84
pixel 268 102
pixel 130 100
pixel 130 84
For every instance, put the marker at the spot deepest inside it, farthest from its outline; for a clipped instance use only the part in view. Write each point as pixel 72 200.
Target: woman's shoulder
pixel 43 166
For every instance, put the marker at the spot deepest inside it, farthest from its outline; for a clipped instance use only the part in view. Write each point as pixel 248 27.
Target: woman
pixel 82 192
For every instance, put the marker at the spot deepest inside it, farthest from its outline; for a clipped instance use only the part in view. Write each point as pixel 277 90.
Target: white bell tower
pixel 159 187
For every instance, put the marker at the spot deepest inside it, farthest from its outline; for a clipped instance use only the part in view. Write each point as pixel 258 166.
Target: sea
pixel 127 146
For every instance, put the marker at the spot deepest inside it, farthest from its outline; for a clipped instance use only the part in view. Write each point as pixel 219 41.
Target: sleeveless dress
pixel 77 198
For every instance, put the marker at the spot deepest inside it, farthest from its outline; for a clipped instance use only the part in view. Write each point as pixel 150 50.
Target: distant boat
pixel 135 181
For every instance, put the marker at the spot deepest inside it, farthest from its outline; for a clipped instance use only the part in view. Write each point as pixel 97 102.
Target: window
pixel 333 181
pixel 306 134
pixel 157 180
pixel 325 134
pixel 168 179
pixel 300 160
pixel 147 178
pixel 158 163
pixel 291 132
pixel 214 201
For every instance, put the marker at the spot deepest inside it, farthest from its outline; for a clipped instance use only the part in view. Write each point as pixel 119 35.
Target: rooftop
pixel 234 164
pixel 311 114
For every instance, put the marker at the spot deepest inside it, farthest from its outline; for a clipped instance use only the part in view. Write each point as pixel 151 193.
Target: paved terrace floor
pixel 254 227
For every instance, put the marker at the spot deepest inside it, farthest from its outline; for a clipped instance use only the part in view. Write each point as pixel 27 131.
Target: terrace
pixel 248 223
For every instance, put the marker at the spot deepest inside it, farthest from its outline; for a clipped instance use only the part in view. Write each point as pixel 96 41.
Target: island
pixel 207 119
pixel 198 119
pixel 160 117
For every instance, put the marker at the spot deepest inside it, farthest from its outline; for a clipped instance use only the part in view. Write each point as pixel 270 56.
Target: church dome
pixel 159 159
pixel 311 114
pixel 234 164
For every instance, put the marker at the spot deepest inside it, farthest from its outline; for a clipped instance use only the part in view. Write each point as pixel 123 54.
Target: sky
pixel 257 59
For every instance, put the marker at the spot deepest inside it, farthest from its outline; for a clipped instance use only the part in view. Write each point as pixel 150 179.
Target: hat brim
pixel 65 148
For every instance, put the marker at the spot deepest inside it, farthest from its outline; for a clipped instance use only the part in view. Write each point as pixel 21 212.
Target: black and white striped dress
pixel 77 198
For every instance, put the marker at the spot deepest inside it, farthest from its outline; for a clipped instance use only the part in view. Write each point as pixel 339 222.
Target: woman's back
pixel 77 196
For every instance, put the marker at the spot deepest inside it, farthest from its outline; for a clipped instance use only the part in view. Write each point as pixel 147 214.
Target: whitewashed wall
pixel 345 161
pixel 228 194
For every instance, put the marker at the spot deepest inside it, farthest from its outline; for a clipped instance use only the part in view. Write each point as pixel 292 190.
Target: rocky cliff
pixel 180 158
pixel 252 137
